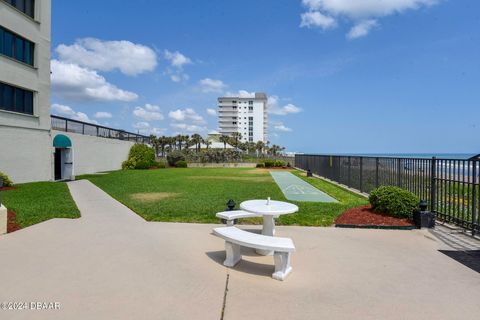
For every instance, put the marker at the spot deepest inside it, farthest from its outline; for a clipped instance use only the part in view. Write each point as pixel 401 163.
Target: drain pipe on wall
pixel 3 212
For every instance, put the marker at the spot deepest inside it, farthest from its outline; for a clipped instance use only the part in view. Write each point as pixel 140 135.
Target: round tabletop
pixel 272 208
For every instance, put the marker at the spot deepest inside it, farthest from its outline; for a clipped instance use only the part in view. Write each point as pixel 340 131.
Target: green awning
pixel 62 141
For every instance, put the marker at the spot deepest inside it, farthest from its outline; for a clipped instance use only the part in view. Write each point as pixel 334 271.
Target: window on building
pixel 26 6
pixel 15 99
pixel 250 103
pixel 16 47
pixel 250 108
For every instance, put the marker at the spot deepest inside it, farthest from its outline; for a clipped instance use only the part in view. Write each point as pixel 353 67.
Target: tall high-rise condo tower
pixel 246 114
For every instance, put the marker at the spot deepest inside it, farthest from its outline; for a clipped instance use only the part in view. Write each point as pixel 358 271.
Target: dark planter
pixel 424 219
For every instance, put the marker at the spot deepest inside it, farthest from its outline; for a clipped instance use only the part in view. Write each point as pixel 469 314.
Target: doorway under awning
pixel 62 141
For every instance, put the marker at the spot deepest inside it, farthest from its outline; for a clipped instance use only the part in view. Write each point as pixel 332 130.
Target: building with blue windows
pixel 25 125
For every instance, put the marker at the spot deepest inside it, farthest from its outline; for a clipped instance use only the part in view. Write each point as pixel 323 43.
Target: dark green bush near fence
pixel 280 163
pixel 181 164
pixel 6 180
pixel 394 201
pixel 140 156
pixel 175 156
pixel 269 163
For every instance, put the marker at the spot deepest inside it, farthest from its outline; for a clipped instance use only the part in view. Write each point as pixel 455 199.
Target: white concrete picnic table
pixel 269 209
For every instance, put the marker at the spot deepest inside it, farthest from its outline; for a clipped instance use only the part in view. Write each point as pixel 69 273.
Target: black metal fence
pixel 450 186
pixel 85 128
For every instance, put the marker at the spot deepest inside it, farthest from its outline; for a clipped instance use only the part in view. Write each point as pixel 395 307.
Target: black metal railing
pixel 450 186
pixel 85 128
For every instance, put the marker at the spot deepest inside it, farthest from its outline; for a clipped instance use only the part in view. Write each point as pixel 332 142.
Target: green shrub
pixel 269 163
pixel 279 163
pixel 140 156
pixel 6 180
pixel 394 201
pixel 129 164
pixel 175 156
pixel 261 165
pixel 160 165
pixel 181 164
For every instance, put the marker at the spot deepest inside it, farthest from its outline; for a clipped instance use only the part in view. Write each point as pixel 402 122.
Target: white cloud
pixel 130 58
pixel 190 128
pixel 281 127
pixel 275 108
pixel 103 115
pixel 208 85
pixel 188 114
pixel 146 129
pixel 148 112
pixel 326 13
pixel 74 82
pixel 141 125
pixel 70 113
pixel 240 94
pixel 313 19
pixel 177 59
pixel 361 29
pixel 212 112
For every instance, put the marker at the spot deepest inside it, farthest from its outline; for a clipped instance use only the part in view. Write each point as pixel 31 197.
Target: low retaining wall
pixel 3 220
pixel 222 165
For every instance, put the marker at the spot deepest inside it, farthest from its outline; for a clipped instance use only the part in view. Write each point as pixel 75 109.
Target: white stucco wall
pixel 25 142
pixel 93 154
pixel 26 155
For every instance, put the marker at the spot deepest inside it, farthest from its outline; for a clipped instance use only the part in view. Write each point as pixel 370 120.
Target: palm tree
pixel 274 149
pixel 236 137
pixel 154 142
pixel 260 145
pixel 197 140
pixel 208 143
pixel 224 139
pixel 179 140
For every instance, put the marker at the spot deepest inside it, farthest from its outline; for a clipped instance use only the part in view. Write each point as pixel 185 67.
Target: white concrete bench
pixel 231 216
pixel 236 238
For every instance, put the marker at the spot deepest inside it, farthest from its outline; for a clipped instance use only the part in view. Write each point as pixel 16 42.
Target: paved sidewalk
pixel 111 264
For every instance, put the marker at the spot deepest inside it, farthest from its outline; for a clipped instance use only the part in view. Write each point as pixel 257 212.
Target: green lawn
pixel 196 194
pixel 40 201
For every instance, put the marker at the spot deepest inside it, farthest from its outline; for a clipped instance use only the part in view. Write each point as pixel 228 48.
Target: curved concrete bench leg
pixel 233 254
pixel 282 265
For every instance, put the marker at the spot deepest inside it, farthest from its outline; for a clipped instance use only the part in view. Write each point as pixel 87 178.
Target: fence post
pixel 66 125
pixel 349 170
pixel 399 173
pixel 361 174
pixel 377 162
pixel 474 196
pixel 433 184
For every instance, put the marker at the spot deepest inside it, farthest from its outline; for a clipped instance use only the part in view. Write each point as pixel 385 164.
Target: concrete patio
pixel 111 264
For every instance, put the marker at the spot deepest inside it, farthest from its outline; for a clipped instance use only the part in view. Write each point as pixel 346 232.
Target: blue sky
pixel 346 77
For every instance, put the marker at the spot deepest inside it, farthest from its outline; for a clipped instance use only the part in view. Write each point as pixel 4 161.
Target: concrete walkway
pixel 111 264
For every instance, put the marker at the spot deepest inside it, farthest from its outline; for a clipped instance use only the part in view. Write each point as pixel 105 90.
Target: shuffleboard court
pixel 296 189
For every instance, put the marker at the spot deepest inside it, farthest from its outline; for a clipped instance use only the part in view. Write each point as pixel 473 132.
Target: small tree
pixel 224 139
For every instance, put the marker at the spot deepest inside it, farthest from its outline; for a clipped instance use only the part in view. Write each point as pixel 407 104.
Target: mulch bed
pixel 364 217
pixel 12 224
pixel 7 188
